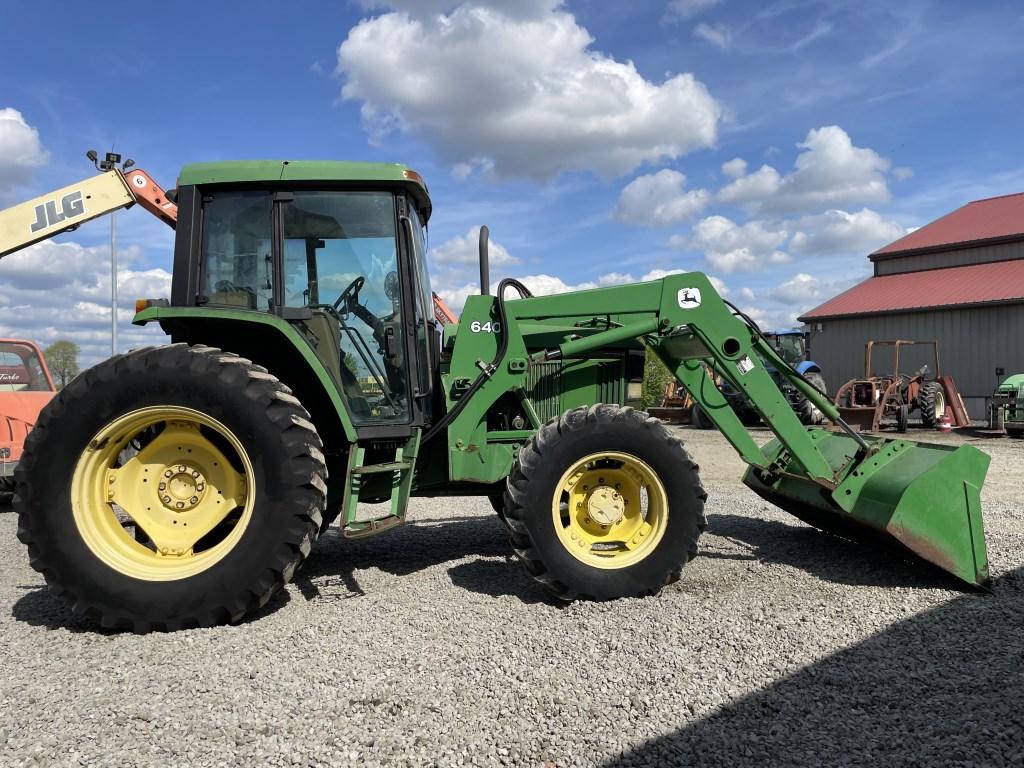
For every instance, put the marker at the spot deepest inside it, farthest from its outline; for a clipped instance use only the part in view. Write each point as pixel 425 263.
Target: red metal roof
pixel 998 281
pixel 995 218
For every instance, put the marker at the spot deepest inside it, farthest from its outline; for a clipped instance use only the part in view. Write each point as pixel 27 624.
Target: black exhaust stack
pixel 485 264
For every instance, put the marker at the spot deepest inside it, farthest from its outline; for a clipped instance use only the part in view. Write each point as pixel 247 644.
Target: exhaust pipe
pixel 485 264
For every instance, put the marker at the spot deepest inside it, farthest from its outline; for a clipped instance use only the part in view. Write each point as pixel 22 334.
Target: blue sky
pixel 772 145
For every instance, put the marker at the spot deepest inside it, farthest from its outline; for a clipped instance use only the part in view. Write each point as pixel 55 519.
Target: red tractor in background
pixel 25 388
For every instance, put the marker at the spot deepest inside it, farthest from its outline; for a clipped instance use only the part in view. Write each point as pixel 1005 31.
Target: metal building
pixel 958 280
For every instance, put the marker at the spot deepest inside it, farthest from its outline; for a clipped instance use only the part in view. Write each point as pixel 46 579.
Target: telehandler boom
pixel 182 485
pixel 67 208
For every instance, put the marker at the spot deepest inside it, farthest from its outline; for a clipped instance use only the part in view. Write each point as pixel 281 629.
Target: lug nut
pixel 200 487
pixel 162 486
pixel 165 499
pixel 180 505
pixel 194 500
pixel 168 473
pixel 182 468
pixel 195 473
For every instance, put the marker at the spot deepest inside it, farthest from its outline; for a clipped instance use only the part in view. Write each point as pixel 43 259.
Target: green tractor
pixel 1009 403
pixel 181 485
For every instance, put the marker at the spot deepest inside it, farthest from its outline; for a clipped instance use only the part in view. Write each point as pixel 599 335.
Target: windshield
pixel 21 369
pixel 340 260
pixel 790 347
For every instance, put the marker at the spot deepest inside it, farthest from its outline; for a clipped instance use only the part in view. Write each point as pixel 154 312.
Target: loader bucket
pixel 922 497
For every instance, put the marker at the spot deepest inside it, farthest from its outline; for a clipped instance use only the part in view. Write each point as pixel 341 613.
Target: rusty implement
pixel 922 497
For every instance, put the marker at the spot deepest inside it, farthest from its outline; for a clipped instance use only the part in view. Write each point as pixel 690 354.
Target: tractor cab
pixel 790 345
pixel 335 249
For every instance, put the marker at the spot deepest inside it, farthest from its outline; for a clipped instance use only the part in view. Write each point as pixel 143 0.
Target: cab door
pixel 342 261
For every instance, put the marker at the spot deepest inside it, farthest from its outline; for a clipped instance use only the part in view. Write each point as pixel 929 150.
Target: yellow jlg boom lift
pixel 67 208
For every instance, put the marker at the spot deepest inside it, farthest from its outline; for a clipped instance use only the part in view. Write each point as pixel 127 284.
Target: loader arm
pixel 687 334
pixel 67 208
pixel 923 497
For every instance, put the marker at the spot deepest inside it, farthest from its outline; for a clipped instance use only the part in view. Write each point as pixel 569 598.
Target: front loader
pixel 182 485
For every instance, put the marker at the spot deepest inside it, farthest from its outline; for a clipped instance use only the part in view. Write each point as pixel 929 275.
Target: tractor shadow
pixel 417 545
pixel 331 572
pixel 945 687
pixel 39 607
pixel 825 556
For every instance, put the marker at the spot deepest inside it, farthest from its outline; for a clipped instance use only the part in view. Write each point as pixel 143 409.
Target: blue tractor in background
pixel 792 346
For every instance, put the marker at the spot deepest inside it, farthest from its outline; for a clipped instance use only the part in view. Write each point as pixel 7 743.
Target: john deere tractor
pixel 181 485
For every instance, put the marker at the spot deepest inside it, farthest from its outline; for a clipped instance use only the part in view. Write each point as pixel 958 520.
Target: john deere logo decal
pixel 689 298
pixel 47 215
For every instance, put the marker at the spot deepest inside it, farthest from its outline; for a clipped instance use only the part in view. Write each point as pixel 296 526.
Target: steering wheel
pixel 350 295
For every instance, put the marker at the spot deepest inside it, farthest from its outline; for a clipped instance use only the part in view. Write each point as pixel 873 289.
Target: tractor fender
pixel 272 342
pixel 808 366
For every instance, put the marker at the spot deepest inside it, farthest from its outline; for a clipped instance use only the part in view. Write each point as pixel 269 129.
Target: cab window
pixel 236 266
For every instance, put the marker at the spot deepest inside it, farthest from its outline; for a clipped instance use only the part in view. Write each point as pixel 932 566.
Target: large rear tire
pixel 170 487
pixel 604 503
pixel 699 419
pixel 808 412
pixel 932 402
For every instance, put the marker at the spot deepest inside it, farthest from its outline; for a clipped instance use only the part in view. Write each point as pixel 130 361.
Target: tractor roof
pixel 269 171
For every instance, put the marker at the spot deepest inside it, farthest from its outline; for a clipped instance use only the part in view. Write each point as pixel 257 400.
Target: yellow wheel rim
pixel 162 493
pixel 610 510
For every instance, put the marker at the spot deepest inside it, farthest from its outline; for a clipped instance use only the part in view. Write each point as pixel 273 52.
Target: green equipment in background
pixel 1008 406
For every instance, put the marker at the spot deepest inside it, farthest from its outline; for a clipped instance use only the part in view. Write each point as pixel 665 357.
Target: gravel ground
pixel 429 646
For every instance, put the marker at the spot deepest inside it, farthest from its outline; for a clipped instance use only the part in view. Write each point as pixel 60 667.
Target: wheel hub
pixel 606 505
pixel 182 487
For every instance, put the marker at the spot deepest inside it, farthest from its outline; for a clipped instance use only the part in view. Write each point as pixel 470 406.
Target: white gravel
pixel 429 646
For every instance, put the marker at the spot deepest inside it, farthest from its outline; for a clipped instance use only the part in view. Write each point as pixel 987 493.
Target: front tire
pixel 144 445
pixel 604 503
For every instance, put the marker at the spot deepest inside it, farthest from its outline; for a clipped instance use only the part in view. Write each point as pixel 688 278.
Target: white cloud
pixel 20 152
pixel 658 200
pixel 902 172
pixel 466 250
pixel 735 168
pixel 754 187
pixel 729 247
pixel 427 8
pixel 746 294
pixel 830 172
pixel 719 35
pixel 800 293
pixel 523 94
pixel 836 232
pixel 799 289
pixel 43 299
pixel 681 10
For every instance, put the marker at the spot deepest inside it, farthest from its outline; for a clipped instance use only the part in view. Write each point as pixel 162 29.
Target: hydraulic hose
pixel 487 370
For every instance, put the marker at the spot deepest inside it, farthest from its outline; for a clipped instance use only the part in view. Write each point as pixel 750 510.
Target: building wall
pixel 952 258
pixel 972 344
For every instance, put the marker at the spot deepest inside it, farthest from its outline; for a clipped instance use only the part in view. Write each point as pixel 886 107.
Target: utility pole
pixel 113 283
pixel 109 163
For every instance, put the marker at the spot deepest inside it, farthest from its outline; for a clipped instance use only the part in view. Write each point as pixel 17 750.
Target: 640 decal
pixel 489 327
